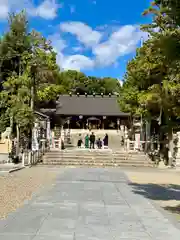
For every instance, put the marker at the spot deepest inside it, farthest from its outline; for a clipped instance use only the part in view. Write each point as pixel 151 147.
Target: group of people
pixel 90 141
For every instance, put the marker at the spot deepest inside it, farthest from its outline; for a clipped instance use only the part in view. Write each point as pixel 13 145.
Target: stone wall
pixel 5 146
pixel 4 157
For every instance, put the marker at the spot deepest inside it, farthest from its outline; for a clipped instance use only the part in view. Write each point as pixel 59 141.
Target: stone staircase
pixel 96 158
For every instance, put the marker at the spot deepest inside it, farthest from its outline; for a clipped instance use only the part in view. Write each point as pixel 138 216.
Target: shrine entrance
pixel 93 123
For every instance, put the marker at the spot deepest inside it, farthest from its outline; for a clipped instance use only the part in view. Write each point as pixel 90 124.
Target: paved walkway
pixel 86 203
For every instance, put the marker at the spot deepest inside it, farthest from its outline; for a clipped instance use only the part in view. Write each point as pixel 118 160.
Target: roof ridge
pixel 88 95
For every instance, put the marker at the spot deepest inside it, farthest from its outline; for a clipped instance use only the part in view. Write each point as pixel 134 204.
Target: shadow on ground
pixel 159 192
pixel 175 209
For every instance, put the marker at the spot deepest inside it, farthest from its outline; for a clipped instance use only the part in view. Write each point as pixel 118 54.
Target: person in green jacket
pixel 87 141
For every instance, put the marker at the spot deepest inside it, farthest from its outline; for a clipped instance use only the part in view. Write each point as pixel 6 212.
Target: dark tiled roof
pixel 89 106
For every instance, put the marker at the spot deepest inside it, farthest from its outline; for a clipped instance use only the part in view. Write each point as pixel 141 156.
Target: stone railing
pixel 29 157
pixel 132 145
pixel 140 145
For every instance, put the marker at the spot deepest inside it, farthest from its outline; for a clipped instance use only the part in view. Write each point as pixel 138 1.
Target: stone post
pixel 29 158
pixel 137 145
pixel 48 133
pixel 127 143
pixel 178 150
pixel 23 159
pixel 52 145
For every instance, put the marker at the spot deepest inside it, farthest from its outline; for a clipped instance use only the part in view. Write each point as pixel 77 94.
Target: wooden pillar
pixel 118 123
pixel 102 127
pixel 103 120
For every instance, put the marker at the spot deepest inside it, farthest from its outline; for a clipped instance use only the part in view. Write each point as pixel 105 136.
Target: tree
pixel 152 77
pixel 17 95
pixel 78 82
pixel 13 44
pixel 28 66
pixel 171 8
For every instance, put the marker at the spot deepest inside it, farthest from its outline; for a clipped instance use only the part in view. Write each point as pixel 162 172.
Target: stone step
pixel 80 153
pixel 97 158
pixel 97 164
pixel 76 157
pixel 101 152
pixel 94 156
pixel 92 160
pixel 89 155
pixel 130 155
pixel 142 159
pixel 81 159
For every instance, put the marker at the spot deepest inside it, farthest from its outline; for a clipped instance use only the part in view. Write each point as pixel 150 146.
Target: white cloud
pixel 47 9
pixel 77 62
pixel 4 9
pixel 57 42
pixel 120 43
pixel 83 32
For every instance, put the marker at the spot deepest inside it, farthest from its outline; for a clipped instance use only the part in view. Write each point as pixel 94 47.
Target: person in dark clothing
pixel 79 143
pixel 105 140
pixel 92 140
pixel 122 141
pixel 62 145
pixel 99 143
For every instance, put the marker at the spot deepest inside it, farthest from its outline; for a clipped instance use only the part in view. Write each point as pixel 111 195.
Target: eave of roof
pixel 89 106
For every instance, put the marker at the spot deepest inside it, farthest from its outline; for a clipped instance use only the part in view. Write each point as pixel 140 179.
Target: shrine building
pixel 87 112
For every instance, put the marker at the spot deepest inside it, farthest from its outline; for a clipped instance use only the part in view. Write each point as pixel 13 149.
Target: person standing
pixel 92 140
pixel 99 143
pixel 87 141
pixel 105 140
pixel 122 141
pixel 79 143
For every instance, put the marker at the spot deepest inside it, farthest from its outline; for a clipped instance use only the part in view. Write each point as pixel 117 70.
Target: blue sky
pixel 94 36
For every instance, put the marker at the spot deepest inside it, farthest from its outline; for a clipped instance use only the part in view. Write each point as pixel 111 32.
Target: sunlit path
pixel 88 203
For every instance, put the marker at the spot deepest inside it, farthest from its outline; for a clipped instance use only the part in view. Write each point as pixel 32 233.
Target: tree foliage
pixel 78 82
pixel 26 61
pixel 152 77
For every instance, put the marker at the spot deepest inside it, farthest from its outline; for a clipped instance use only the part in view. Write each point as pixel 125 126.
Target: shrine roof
pixel 89 106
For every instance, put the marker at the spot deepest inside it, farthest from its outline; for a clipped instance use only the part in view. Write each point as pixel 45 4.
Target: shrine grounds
pixel 93 203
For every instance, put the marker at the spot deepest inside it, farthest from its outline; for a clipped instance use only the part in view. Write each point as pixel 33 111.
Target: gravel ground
pixel 163 187
pixel 19 186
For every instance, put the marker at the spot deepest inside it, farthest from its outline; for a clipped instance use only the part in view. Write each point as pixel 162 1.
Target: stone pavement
pixel 87 203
